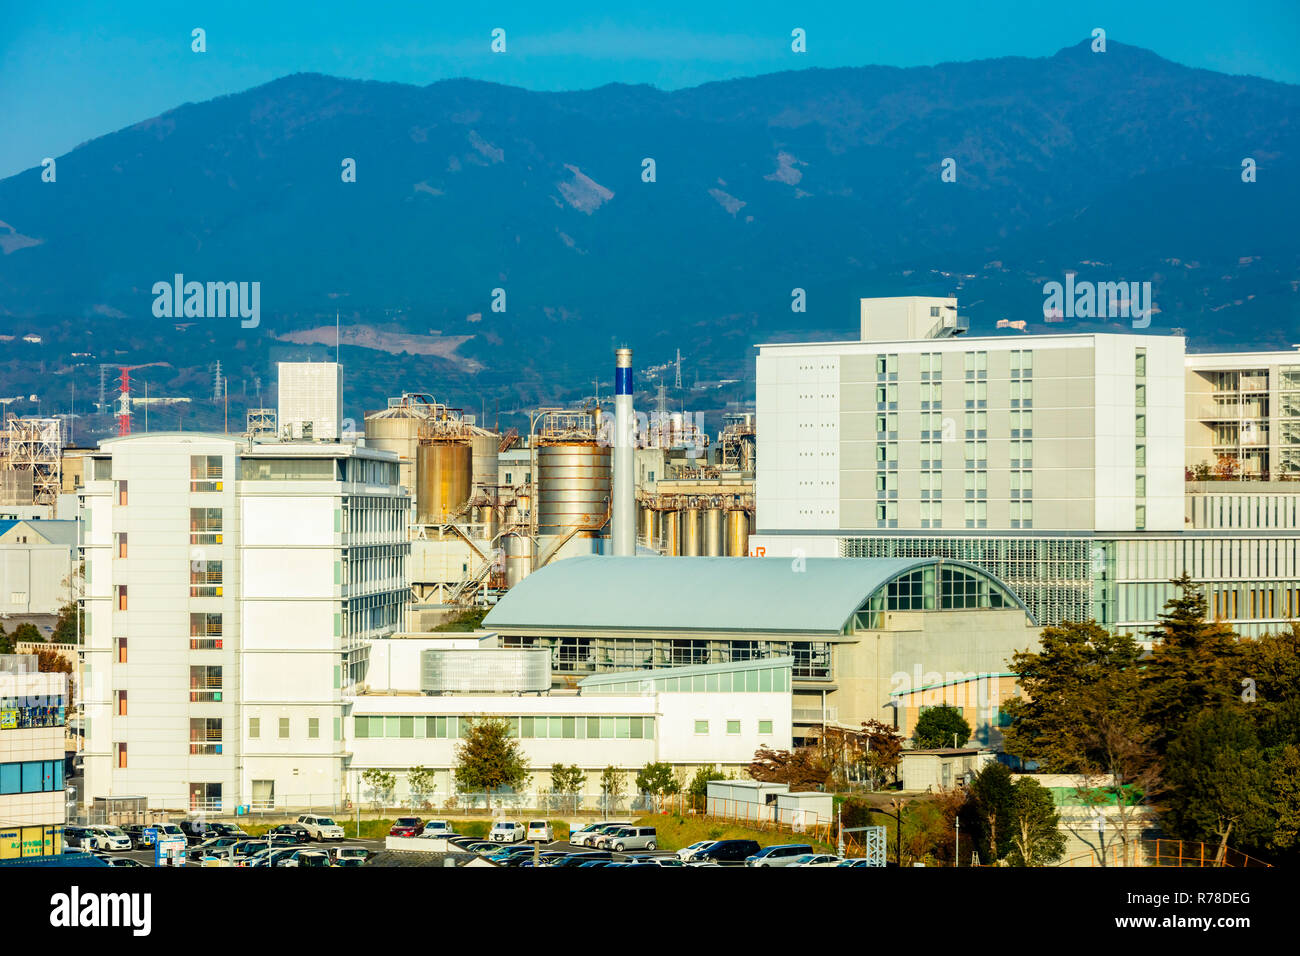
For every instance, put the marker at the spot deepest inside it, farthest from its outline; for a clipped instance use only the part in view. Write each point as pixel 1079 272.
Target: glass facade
pixel 534 727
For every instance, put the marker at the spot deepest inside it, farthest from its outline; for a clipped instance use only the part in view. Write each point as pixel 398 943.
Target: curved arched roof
pixel 704 594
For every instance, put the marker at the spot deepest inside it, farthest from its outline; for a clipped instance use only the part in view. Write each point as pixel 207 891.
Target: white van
pixel 540 830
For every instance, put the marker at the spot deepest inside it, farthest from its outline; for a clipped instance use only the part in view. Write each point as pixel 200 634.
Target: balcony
pixel 814 716
pixel 205 643
pixel 200 747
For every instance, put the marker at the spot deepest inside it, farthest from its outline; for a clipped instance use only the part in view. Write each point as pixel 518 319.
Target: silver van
pixel 632 838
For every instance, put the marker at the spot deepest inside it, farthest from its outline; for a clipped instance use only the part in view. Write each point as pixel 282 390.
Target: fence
pixel 1165 853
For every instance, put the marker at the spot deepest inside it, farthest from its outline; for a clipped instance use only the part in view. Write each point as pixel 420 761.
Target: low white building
pixel 706 715
pixel 32 714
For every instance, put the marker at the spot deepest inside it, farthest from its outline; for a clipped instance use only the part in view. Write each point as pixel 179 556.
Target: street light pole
pixel 956 847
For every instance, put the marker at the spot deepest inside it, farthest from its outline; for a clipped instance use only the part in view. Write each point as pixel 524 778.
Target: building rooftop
pixel 687 670
pixel 812 595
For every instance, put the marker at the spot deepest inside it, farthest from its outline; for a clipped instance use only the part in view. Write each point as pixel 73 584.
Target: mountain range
pixel 665 220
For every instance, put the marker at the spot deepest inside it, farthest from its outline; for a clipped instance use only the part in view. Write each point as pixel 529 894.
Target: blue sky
pixel 75 69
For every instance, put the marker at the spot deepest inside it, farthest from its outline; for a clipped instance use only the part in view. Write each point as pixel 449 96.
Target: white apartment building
pixel 1245 406
pixel 232 589
pixel 1055 462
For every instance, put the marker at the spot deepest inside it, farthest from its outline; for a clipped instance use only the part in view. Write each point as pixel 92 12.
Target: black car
pixel 136 832
pixel 226 830
pixel 727 853
pixel 215 846
pixel 577 859
pixel 79 838
pixel 196 831
pixel 291 829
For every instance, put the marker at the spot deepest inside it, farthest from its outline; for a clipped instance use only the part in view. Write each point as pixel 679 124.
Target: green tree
pixel 26 633
pixel 66 630
pixel 489 759
pixel 698 788
pixel 612 787
pixel 1036 838
pixel 1194 663
pixel 1218 782
pixel 6 641
pixel 421 782
pixel 381 784
pixel 566 786
pixel 1285 801
pixel 937 726
pixel 657 780
pixel 884 749
pixel 987 814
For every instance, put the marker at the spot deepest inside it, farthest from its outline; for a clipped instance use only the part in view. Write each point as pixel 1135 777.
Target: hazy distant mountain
pixel 1120 165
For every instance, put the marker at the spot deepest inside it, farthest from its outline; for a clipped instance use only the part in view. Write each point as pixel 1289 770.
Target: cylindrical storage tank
pixel 397 431
pixel 573 486
pixel 443 471
pixel 511 515
pixel 518 550
pixel 671 523
pixel 713 532
pixel 485 445
pixel 487 516
pixel 691 532
pixel 737 533
pixel 648 527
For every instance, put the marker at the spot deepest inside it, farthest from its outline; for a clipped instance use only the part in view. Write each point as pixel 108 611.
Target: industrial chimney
pixel 623 515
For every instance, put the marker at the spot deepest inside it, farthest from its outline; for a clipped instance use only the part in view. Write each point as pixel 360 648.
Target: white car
pixel 686 852
pixel 436 828
pixel 320 828
pixel 506 831
pixel 815 859
pixel 587 835
pixel 111 838
pixel 540 830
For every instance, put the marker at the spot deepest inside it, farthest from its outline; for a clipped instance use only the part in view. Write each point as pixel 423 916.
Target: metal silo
pixel 713 532
pixel 671 521
pixel 443 473
pixel 518 550
pixel 648 531
pixel 484 444
pixel 737 533
pixel 573 488
pixel 691 532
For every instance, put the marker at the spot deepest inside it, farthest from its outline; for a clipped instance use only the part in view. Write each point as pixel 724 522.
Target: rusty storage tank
pixel 737 533
pixel 573 488
pixel 442 480
pixel 649 533
pixel 691 532
pixel 671 523
pixel 518 553
pixel 713 532
pixel 484 444
pixel 397 430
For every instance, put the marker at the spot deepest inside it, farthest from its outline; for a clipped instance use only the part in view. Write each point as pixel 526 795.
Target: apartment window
pixel 205 579
pixel 931 365
pixel 1140 363
pixel 121 756
pixel 205 525
pixel 977 484
pixel 976 394
pixel 931 514
pixel 1140 486
pixel 977 365
pixel 1022 484
pixel 1022 454
pixel 931 454
pixel 1141 396
pixel 254 728
pixel 764 728
pixel 510 479
pixel 313 728
pixel 887 483
pixel 1022 514
pixel 977 424
pixel 205 735
pixel 120 591
pixel 1140 455
pixel 205 682
pixel 733 728
pixel 120 538
pixel 931 395
pixel 977 514
pixel 205 632
pixel 1140 426
pixel 1022 363
pixel 121 493
pixel 977 454
pixel 119 698
pixel 121 650
pixel 1140 517
pixel 931 484
pixel 205 796
pixel 887 424
pixel 701 727
pixel 205 473
pixel 1022 394
pixel 887 514
pixel 284 728
pixel 1022 424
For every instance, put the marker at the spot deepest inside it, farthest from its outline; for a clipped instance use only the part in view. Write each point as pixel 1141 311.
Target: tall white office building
pixel 310 400
pixel 231 593
pixel 1056 462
